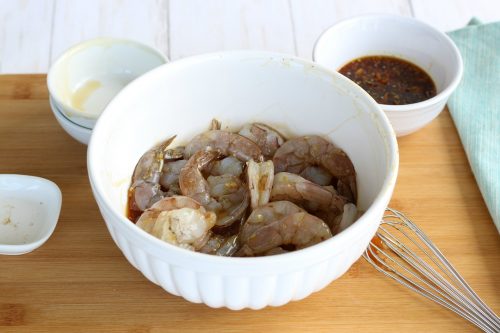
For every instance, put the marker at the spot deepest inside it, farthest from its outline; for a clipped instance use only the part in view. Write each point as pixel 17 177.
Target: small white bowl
pixel 402 37
pixel 294 95
pixel 87 76
pixel 29 210
pixel 77 132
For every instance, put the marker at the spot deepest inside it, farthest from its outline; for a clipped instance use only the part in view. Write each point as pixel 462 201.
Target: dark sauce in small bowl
pixel 390 80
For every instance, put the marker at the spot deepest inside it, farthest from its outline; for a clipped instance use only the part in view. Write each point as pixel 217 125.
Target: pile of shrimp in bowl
pixel 248 193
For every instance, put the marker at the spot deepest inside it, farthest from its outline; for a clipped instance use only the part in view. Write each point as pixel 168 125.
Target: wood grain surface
pixel 80 282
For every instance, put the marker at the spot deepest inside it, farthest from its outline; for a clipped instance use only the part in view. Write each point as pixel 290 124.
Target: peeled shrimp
pixel 260 181
pixel 178 220
pixel 225 195
pixel 227 143
pixel 145 189
pixel 297 154
pixel 278 224
pixel 268 139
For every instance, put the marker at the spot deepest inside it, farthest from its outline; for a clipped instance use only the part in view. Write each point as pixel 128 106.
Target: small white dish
pixel 402 37
pixel 87 76
pixel 29 210
pixel 77 132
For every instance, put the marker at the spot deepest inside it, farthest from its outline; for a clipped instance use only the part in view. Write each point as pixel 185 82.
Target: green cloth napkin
pixel 475 107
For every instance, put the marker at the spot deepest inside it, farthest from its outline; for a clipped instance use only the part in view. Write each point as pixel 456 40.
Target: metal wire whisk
pixel 402 251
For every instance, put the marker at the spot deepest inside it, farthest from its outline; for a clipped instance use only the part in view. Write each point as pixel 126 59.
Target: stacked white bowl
pixel 87 76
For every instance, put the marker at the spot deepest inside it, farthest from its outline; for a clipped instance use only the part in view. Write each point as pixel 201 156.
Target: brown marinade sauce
pixel 132 214
pixel 390 80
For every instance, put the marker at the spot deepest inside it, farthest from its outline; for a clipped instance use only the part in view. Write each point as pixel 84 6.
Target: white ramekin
pixel 109 63
pixel 407 38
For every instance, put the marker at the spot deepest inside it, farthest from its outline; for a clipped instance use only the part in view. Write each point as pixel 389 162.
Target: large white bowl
pixel 403 37
pixel 296 96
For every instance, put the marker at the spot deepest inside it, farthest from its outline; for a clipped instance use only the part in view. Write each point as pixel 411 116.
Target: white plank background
pixel 33 33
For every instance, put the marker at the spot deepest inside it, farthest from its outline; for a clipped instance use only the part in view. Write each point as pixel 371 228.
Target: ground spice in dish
pixel 390 80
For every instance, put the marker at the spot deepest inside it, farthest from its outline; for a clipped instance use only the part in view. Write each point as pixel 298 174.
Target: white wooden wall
pixel 34 32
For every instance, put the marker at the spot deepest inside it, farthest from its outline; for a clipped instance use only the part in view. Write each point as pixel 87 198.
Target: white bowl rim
pixel 355 229
pixel 445 93
pixel 84 44
pixel 57 203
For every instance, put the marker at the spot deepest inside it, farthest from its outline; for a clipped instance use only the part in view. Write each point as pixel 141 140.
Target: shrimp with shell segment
pixel 298 154
pixel 267 138
pixel 221 245
pixel 224 195
pixel 191 180
pixel 226 143
pixel 213 243
pixel 178 220
pixel 314 198
pixel 145 189
pixel 169 178
pixel 232 196
pixel 280 224
pixel 227 166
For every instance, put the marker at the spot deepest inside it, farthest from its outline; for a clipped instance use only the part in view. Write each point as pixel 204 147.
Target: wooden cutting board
pixel 80 282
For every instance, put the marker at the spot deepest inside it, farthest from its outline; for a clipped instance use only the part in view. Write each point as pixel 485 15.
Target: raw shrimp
pixel 230 246
pixel 232 197
pixel 322 201
pixel 229 165
pixel 317 175
pixel 225 194
pixel 213 243
pixel 178 220
pixel 227 143
pixel 268 139
pixel 191 180
pixel 220 245
pixel 174 154
pixel 169 178
pixel 260 181
pixel 280 224
pixel 297 154
pixel 349 215
pixel 294 188
pixel 145 189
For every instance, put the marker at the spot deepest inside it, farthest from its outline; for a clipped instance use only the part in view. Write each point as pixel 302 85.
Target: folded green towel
pixel 475 107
